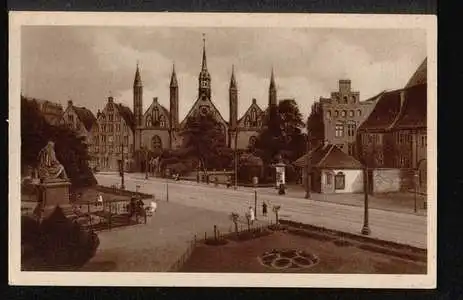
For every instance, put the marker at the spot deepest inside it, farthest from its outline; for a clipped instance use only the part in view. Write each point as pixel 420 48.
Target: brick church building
pixel 159 128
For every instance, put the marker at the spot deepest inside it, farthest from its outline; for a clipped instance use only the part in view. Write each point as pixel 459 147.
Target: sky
pixel 87 64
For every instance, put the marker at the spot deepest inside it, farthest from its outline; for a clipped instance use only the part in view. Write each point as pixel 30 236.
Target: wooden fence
pixel 192 244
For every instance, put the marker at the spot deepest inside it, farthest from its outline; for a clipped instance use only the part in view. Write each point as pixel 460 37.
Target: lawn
pixel 331 256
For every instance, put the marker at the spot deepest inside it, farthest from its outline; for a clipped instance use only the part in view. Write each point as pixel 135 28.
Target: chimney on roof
pixel 254 101
pixel 69 103
pixel 110 99
pixel 155 99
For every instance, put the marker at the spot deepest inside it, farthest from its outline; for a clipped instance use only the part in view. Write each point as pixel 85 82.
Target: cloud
pixel 87 63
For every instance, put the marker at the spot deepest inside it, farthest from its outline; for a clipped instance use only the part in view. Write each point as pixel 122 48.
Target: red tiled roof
pixel 420 76
pixel 329 157
pixel 85 116
pixel 385 112
pixel 127 114
pixel 414 110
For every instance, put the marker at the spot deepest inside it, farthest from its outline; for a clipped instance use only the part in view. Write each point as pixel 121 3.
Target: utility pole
pixel 366 227
pixel 307 168
pixel 236 158
pixel 122 166
pixel 146 163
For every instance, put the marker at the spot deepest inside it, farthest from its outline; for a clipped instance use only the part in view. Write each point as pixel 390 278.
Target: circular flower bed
pixel 287 259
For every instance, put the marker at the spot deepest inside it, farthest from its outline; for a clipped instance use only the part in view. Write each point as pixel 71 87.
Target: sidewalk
pixel 396 202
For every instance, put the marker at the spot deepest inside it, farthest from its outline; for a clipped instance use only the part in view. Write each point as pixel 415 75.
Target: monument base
pixel 53 193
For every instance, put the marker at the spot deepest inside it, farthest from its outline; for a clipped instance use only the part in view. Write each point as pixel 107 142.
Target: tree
pixel 204 140
pixel 281 133
pixel 71 150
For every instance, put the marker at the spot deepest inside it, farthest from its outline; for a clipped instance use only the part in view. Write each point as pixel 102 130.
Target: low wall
pixel 392 180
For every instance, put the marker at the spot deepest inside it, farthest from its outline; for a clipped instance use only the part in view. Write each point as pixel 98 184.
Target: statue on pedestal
pixel 49 167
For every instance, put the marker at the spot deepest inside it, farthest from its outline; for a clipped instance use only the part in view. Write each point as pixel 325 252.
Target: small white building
pixel 333 171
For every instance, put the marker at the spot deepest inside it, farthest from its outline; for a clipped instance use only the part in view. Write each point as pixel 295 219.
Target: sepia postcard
pixel 222 149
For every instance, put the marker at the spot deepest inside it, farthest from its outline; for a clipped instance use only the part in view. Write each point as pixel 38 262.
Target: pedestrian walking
pixel 99 200
pixel 264 208
pixel 252 216
pixel 153 207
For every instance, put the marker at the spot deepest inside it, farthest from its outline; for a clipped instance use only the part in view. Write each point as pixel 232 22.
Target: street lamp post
pixel 255 181
pixel 416 177
pixel 366 227
pixel 146 163
pixel 307 169
pixel 167 184
pixel 122 168
pixel 236 158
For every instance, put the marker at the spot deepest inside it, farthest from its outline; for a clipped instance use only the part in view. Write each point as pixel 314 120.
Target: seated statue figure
pixel 49 166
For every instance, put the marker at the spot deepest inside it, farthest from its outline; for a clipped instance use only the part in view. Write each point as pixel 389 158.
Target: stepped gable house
pixel 113 137
pixel 393 139
pixel 336 119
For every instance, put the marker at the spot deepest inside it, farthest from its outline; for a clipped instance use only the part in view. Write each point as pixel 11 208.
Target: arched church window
pixel 247 122
pixel 162 121
pixel 156 142
pixel 155 115
pixel 149 122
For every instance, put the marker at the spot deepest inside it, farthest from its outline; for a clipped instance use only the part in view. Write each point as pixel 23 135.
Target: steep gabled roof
pixel 328 156
pixel 248 111
pixel 420 76
pixel 384 113
pixel 126 114
pixel 85 116
pixel 414 109
pixel 194 106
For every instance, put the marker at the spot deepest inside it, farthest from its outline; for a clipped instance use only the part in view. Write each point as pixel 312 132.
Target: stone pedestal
pixel 53 193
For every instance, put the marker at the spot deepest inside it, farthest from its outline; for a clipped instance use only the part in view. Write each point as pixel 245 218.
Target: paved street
pixel 392 226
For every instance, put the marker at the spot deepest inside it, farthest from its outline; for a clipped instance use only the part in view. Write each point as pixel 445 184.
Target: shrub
pixel 57 242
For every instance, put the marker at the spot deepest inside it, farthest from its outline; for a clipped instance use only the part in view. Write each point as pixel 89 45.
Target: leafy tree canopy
pixel 204 139
pixel 281 133
pixel 71 150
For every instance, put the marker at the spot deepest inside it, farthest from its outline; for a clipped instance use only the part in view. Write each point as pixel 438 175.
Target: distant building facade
pixel 79 119
pixel 394 137
pixel 51 111
pixel 336 119
pixel 113 137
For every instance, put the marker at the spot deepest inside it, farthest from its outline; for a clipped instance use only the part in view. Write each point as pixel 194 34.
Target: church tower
pixel 204 76
pixel 173 111
pixel 138 107
pixel 233 99
pixel 272 92
pixel 173 100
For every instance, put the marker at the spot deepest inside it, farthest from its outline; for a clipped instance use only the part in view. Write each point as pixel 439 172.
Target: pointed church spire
pixel 173 78
pixel 272 81
pixel 204 64
pixel 232 79
pixel 137 80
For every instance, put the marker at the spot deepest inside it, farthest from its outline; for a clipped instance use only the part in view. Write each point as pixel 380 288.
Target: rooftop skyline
pixel 87 64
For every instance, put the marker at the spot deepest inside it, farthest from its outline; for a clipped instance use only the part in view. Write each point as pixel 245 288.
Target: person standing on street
pixel 264 208
pixel 252 215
